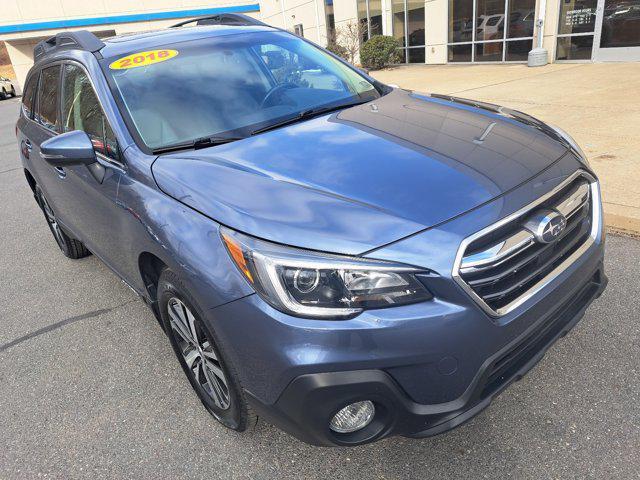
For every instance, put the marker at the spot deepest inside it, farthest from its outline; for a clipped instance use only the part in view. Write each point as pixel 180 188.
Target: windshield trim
pixel 381 88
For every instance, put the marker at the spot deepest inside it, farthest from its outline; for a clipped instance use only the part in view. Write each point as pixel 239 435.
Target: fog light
pixel 353 417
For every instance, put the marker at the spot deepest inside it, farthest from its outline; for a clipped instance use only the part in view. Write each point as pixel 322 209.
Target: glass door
pixel 618 31
pixel 576 29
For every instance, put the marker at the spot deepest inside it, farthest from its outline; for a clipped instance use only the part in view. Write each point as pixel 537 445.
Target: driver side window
pixel 81 111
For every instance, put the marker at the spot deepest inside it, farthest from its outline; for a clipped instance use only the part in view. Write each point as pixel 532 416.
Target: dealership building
pixel 431 31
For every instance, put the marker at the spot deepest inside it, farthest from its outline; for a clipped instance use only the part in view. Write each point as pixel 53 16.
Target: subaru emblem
pixel 546 225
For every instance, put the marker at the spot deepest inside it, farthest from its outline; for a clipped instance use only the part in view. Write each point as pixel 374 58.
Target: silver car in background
pixel 6 88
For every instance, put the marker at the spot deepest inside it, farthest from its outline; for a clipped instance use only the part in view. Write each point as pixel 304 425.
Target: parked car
pixel 347 260
pixel 6 88
pixel 490 27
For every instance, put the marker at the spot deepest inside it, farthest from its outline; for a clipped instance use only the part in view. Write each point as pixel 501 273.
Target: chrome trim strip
pixel 596 220
pixel 503 250
pixel 568 206
pixel 491 256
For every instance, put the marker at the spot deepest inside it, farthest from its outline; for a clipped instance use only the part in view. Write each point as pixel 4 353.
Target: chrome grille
pixel 505 264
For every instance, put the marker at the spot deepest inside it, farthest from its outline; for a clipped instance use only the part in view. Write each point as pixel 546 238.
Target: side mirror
pixel 71 148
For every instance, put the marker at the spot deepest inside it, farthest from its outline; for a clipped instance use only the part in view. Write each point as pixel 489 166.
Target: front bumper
pixel 310 400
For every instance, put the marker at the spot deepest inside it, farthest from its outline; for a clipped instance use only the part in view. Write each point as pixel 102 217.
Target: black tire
pixel 70 247
pixel 13 92
pixel 238 415
pixel 3 94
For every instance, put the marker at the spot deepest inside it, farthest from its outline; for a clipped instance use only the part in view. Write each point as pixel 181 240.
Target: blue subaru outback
pixel 347 260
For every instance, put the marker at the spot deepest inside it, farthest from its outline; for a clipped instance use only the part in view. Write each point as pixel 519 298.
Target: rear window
pixel 48 98
pixel 29 95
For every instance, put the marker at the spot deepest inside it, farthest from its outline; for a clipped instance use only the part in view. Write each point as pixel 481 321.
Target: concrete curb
pixel 622 224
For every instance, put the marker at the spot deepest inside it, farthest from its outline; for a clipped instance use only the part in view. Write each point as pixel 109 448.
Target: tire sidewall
pixel 170 286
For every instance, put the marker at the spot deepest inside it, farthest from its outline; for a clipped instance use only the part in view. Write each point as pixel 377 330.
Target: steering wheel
pixel 275 92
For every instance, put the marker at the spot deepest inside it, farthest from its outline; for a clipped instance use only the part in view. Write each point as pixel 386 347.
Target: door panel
pixel 90 205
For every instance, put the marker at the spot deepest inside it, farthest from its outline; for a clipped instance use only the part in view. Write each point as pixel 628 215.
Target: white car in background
pixel 489 27
pixel 6 88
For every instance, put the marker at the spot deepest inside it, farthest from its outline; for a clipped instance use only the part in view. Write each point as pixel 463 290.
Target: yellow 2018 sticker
pixel 142 59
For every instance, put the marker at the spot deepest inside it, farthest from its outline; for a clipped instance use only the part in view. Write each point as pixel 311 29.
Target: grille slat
pixel 517 262
pixel 531 276
pixel 502 265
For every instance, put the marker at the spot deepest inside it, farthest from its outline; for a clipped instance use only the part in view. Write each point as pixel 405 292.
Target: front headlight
pixel 311 284
pixel 569 139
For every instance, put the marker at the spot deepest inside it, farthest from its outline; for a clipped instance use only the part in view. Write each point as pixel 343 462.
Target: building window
pixel 621 24
pixel 576 26
pixel 330 21
pixel 298 30
pixel 490 30
pixel 370 18
pixel 408 21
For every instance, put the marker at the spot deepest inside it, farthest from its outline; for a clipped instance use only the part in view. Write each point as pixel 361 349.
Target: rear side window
pixel 48 98
pixel 29 95
pixel 81 111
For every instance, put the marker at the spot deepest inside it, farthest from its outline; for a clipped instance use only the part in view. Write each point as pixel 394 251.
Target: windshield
pixel 228 85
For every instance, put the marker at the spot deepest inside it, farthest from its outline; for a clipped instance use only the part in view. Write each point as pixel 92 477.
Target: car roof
pixel 129 42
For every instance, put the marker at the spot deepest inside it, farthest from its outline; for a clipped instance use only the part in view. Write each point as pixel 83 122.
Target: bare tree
pixel 349 36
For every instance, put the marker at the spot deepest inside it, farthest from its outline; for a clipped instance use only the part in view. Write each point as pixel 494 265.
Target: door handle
pixel 60 171
pixel 26 148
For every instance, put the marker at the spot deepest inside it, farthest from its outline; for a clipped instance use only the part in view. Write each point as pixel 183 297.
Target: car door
pixel 44 123
pixel 89 197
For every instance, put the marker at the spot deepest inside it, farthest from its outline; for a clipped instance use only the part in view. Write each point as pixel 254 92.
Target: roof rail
pixel 79 40
pixel 236 19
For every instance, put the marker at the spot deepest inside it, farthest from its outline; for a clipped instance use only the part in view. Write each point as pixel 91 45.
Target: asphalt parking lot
pixel 89 386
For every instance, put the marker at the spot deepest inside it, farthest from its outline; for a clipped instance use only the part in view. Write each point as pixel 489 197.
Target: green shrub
pixel 380 51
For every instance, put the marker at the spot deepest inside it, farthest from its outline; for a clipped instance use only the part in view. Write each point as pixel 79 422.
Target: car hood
pixel 366 176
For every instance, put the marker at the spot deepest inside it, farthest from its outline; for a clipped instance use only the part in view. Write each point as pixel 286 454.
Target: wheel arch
pixel 151 266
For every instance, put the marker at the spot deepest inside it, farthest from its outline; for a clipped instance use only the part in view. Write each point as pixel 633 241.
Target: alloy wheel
pixel 202 360
pixel 53 223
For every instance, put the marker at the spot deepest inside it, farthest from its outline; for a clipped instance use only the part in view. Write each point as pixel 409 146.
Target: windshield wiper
pixel 196 144
pixel 306 114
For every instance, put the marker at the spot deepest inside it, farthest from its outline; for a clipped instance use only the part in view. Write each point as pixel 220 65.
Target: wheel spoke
pixel 58 233
pixel 191 322
pixel 191 357
pixel 47 211
pixel 178 320
pixel 50 217
pixel 220 397
pixel 196 372
pixel 208 352
pixel 216 370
